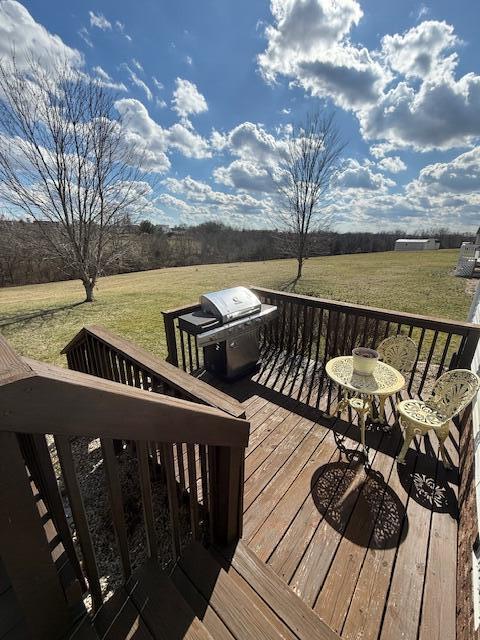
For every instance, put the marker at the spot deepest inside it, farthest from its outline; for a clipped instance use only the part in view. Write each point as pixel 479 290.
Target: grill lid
pixel 230 304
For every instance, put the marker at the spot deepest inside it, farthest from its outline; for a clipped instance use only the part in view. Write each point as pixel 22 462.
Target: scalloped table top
pixel 385 380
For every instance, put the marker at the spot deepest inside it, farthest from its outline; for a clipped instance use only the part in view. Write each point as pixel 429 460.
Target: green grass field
pixel 39 320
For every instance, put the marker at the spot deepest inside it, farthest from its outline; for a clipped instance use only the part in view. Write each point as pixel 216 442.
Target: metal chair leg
pixel 442 436
pixel 408 437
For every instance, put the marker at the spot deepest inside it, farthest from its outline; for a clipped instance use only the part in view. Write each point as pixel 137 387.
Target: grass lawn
pixel 39 320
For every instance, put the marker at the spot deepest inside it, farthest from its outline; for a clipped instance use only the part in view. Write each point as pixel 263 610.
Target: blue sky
pixel 211 88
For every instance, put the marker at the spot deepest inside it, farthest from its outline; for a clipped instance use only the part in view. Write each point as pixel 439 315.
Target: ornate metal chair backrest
pixel 399 351
pixel 453 391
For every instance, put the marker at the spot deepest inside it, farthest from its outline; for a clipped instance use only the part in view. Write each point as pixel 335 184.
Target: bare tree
pixel 309 165
pixel 65 162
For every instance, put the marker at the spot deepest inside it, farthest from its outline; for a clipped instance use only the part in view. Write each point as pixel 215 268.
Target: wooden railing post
pixel 170 338
pixel 226 477
pixel 465 357
pixel 25 551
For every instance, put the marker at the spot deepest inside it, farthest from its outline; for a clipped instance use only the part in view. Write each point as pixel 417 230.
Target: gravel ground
pixel 88 459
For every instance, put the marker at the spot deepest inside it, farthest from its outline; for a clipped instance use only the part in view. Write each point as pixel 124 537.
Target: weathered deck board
pixel 278 531
pixel 375 571
pixel 315 566
pixel 438 617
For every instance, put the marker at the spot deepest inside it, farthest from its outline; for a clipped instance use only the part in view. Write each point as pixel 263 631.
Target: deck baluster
pixel 67 465
pixel 116 503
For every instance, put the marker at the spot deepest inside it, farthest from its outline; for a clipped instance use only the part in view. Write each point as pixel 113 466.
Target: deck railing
pixel 101 353
pixel 309 331
pixel 40 400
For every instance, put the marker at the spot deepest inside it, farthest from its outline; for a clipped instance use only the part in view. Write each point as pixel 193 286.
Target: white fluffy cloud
pixel 106 79
pixel 302 26
pixel 405 93
pixel 156 141
pixel 99 21
pixel 200 201
pixel 148 136
pixel 419 52
pixel 187 141
pixel 441 114
pixel 392 164
pixel 380 150
pixel 251 141
pixel 187 100
pixel 443 194
pixel 257 152
pixel 459 176
pixel 138 81
pixel 245 175
pixel 309 43
pixel 362 176
pixel 20 32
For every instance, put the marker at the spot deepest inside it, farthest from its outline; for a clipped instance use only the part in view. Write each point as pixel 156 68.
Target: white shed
pixel 416 244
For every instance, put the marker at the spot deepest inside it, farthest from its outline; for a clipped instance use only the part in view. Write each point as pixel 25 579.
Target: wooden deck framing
pixel 372 552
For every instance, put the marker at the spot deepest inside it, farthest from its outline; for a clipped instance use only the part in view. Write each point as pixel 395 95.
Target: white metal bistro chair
pixel 400 352
pixel 451 393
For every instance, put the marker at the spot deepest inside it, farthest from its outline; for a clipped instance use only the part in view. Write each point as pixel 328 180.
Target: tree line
pixel 26 256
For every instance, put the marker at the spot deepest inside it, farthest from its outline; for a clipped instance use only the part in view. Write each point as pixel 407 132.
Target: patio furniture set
pixel 368 376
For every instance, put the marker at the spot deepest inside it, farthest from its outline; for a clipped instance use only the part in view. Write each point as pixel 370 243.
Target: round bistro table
pixel 385 381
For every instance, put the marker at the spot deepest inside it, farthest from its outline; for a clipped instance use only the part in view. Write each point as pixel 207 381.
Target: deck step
pixel 164 611
pixel 149 607
pixel 235 588
pixel 239 609
pixel 118 617
pixel 295 613
pixel 83 630
pixel 210 594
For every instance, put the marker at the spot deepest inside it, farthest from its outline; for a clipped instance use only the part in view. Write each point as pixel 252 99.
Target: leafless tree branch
pixel 65 163
pixel 312 161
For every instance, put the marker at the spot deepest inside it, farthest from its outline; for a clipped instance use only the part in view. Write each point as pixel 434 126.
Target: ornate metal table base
pixel 359 391
pixel 362 404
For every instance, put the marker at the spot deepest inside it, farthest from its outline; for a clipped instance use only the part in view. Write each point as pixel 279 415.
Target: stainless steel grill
pixel 227 327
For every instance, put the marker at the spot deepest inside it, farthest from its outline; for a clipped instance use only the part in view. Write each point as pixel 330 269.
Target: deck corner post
pixel 465 357
pixel 169 323
pixel 227 468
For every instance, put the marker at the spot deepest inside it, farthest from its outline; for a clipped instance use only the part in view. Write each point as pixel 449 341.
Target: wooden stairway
pixel 209 595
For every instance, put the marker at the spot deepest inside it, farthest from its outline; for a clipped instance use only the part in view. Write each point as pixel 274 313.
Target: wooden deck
pixel 372 552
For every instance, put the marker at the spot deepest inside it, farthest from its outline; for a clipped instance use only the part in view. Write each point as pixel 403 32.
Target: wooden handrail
pixel 189 387
pixel 44 398
pixel 430 322
pixel 181 310
pixel 12 366
pixel 440 324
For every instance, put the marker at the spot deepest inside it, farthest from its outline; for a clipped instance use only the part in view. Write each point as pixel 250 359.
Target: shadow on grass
pixel 290 285
pixel 6 321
